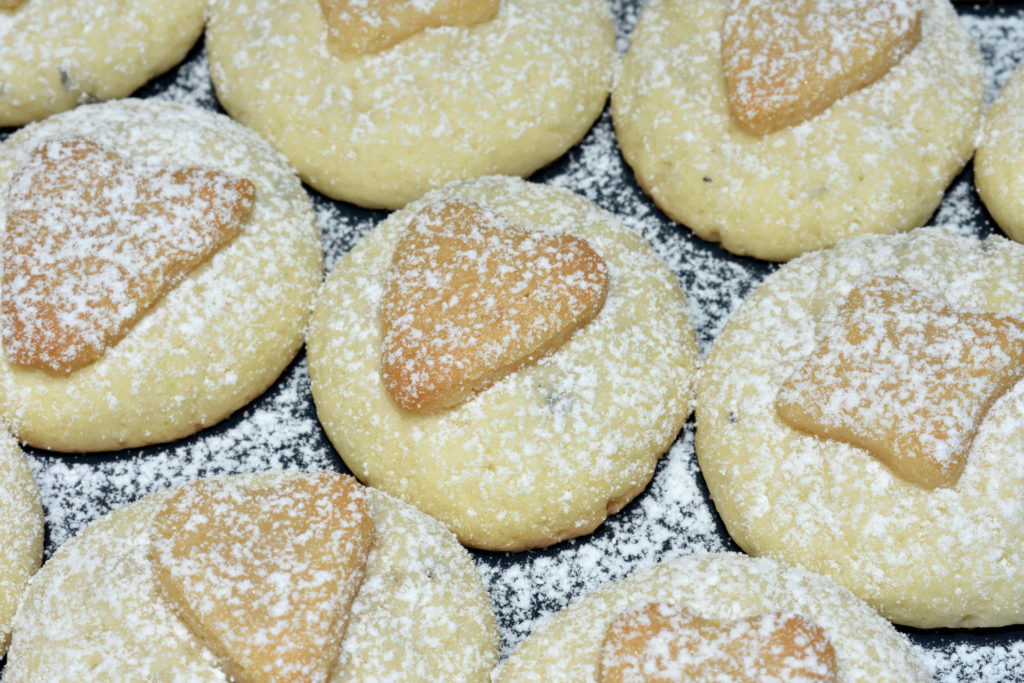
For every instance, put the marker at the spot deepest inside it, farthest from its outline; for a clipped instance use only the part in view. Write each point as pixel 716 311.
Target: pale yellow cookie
pixel 727 591
pixel 507 94
pixel 58 54
pixel 927 557
pixel 876 161
pixel 998 169
pixel 548 451
pixel 95 610
pixel 21 532
pixel 208 345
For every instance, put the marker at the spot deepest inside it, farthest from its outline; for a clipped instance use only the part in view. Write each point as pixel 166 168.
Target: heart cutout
pixel 905 377
pixel 357 27
pixel 665 642
pixel 470 298
pixel 785 62
pixel 264 577
pixel 93 240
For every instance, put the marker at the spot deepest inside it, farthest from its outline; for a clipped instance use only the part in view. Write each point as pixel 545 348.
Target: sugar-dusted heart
pixel 264 577
pixel 470 298
pixel 785 62
pixel 663 642
pixel 358 27
pixel 94 239
pixel 905 377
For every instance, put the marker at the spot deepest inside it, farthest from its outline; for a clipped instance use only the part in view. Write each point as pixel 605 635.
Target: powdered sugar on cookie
pixel 923 557
pixel 93 240
pixel 786 62
pixel 470 298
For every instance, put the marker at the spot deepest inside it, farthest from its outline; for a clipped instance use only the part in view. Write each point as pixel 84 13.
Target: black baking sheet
pixel 673 517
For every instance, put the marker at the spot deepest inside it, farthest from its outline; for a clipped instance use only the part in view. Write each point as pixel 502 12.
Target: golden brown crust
pixel 470 298
pixel 265 577
pixel 94 239
pixel 361 28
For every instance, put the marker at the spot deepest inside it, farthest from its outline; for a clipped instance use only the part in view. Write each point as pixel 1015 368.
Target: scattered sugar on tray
pixel 74 493
pixel 1001 40
pixel 275 432
pixel 715 283
pixel 671 519
pixel 972 662
pixel 190 84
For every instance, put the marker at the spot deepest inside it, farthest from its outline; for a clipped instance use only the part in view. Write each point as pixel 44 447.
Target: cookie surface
pixel 55 55
pixel 216 340
pixel 950 556
pixel 547 452
pixel 507 95
pixel 421 606
pixel 998 171
pixel 877 160
pixel 21 532
pixel 567 646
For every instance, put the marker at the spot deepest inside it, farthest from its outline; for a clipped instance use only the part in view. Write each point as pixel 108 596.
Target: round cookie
pixel 21 532
pixel 93 610
pixel 567 645
pixel 947 557
pixel 508 95
pixel 547 452
pixel 998 171
pixel 218 338
pixel 876 161
pixel 55 55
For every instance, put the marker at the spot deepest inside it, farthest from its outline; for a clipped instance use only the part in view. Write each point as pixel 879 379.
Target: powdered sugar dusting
pixel 469 298
pixel 785 62
pixel 92 240
pixel 672 517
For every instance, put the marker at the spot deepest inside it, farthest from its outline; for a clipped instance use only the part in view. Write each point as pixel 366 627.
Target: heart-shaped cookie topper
pixel 664 642
pixel 358 27
pixel 905 377
pixel 471 298
pixel 93 240
pixel 786 61
pixel 265 577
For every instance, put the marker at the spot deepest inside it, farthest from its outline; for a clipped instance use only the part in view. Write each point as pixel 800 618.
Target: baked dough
pixel 876 161
pixel 952 556
pixel 58 54
pixel 21 531
pixel 92 611
pixel 507 95
pixel 566 646
pixel 215 341
pixel 547 452
pixel 998 168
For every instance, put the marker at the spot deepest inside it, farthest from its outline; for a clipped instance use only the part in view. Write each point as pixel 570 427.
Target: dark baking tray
pixel 673 517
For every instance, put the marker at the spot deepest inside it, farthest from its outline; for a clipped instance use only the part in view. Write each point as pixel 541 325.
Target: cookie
pixel 876 160
pixel 997 171
pixel 56 55
pixel 21 532
pixel 159 265
pixel 99 606
pixel 506 94
pixel 701 610
pixel 548 450
pixel 889 472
